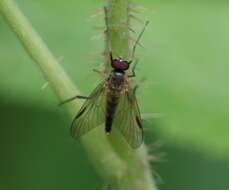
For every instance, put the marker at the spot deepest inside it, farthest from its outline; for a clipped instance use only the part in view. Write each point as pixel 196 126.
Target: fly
pixel 112 102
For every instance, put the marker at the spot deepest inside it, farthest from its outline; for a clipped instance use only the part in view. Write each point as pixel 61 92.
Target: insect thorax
pixel 116 81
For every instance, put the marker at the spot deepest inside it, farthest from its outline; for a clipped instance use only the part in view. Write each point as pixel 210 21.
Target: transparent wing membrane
pixel 128 120
pixel 91 114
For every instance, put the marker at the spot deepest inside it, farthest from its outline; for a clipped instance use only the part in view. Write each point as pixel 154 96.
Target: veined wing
pixel 91 114
pixel 128 119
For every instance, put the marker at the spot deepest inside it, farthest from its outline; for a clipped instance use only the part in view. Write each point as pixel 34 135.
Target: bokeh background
pixel 185 64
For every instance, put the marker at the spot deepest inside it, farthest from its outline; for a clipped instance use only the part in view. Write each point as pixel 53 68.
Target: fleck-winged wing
pixel 128 119
pixel 91 114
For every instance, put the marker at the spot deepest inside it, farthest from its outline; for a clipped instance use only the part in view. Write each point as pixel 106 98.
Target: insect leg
pixel 133 94
pixel 135 89
pixel 73 98
pixel 111 57
pixel 133 69
pixel 102 73
pixel 138 39
pixel 106 17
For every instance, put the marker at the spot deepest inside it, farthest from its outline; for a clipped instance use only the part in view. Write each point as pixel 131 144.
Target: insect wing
pixel 128 119
pixel 91 114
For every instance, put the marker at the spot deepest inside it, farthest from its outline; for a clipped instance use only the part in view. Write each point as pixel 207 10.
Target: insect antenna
pixel 138 39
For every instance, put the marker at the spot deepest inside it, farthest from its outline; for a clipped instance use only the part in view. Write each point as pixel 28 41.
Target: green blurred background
pixel 184 62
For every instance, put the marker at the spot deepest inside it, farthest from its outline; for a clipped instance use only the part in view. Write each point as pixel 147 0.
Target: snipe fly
pixel 112 102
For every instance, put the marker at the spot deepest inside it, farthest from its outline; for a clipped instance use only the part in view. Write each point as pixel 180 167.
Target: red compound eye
pixel 120 64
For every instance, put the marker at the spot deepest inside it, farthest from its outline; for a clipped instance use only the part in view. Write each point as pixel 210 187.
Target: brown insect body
pixel 113 101
pixel 116 84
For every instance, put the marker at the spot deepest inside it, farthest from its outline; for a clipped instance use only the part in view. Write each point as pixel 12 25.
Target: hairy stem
pixel 138 173
pixel 121 167
pixel 105 160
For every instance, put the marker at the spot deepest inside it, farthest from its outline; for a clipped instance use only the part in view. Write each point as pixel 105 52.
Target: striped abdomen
pixel 111 105
pixel 115 85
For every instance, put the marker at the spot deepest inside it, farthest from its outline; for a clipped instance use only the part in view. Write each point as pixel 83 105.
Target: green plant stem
pixel 138 169
pixel 118 22
pixel 108 159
